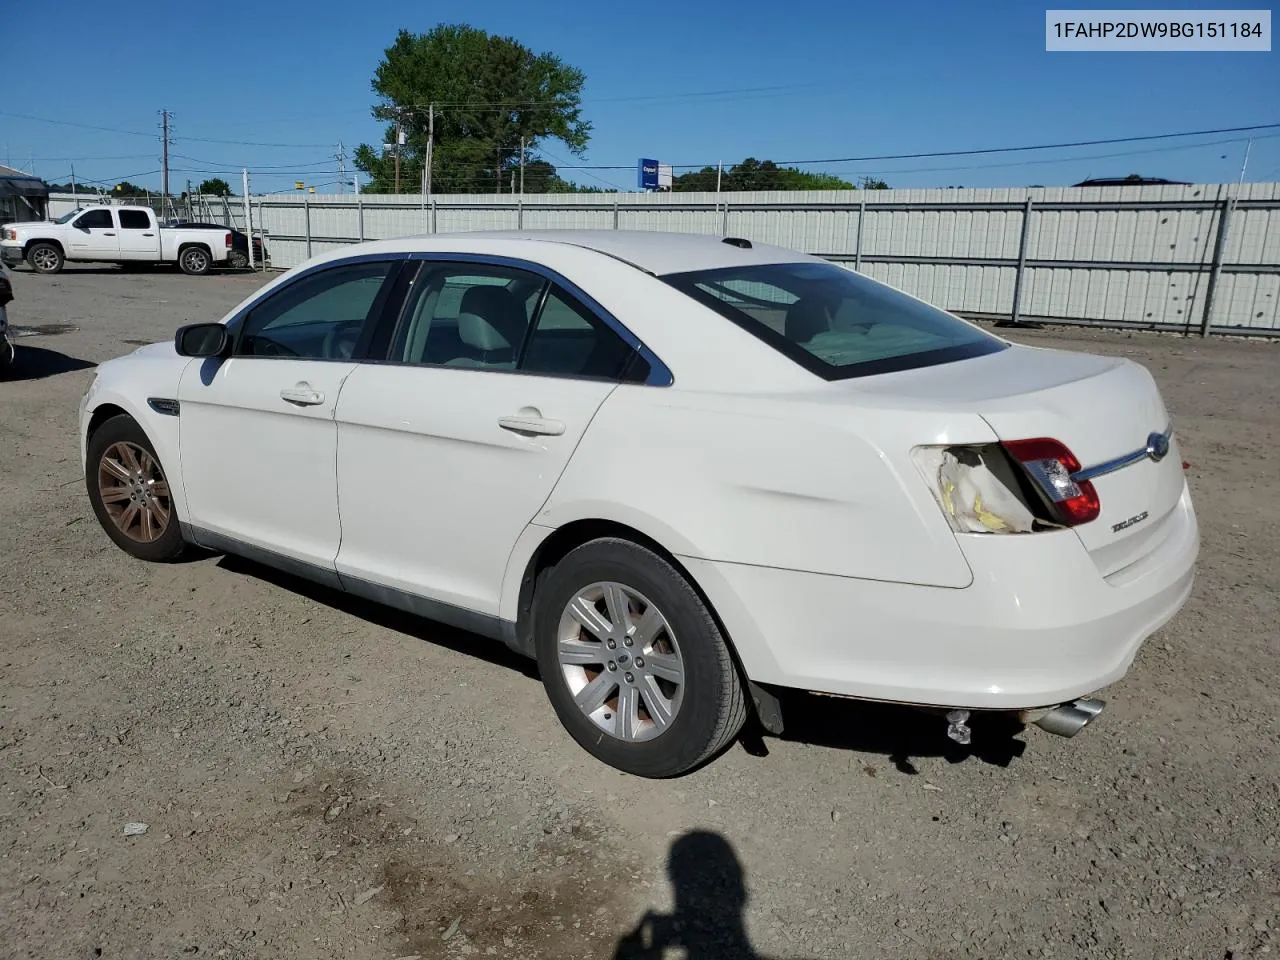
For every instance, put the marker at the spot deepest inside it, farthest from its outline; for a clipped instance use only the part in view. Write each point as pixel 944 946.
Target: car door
pixel 139 238
pixel 258 437
pixel 93 236
pixel 448 451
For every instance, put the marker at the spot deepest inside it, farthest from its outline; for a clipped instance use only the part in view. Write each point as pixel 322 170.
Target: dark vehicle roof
pixel 1129 182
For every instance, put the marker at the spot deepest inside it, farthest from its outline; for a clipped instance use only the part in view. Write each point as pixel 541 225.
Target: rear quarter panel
pixel 769 481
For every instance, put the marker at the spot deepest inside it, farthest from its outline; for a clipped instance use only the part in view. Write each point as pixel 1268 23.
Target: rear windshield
pixel 832 321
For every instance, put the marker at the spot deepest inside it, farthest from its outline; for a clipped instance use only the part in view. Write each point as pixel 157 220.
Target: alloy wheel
pixel 134 492
pixel 621 661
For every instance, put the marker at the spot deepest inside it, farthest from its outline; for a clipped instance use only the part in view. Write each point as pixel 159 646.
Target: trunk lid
pixel 1101 408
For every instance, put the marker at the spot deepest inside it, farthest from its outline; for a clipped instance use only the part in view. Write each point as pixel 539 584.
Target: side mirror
pixel 202 340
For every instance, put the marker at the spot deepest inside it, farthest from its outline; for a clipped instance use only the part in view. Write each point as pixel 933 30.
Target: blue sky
pixel 842 79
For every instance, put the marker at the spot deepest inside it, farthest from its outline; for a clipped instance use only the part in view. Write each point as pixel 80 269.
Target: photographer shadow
pixel 708 922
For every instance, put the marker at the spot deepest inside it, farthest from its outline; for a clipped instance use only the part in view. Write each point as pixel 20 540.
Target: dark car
pixel 239 241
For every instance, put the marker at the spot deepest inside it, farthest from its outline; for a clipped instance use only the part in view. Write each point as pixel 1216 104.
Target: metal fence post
pixel 520 214
pixel 433 214
pixel 262 232
pixel 615 211
pixel 360 215
pixel 306 212
pixel 1016 317
pixel 724 219
pixel 857 242
pixel 1219 248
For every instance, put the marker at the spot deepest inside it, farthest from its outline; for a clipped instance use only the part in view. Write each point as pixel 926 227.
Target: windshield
pixel 67 216
pixel 834 322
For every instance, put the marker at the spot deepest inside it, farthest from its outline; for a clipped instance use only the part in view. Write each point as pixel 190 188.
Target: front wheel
pixel 7 357
pixel 195 261
pixel 129 492
pixel 45 258
pixel 633 661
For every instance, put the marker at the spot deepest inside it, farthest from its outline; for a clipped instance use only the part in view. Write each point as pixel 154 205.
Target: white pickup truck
pixel 111 234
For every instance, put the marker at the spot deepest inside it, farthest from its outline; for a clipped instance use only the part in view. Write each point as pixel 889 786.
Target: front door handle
pixel 302 395
pixel 148 234
pixel 532 424
pixel 109 233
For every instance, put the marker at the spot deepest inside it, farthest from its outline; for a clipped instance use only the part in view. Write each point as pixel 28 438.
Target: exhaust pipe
pixel 1068 719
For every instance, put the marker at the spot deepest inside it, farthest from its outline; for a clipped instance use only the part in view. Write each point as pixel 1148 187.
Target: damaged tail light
pixel 1019 486
pixel 1051 465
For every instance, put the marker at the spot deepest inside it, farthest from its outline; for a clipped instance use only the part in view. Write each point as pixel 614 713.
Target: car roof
pixel 650 250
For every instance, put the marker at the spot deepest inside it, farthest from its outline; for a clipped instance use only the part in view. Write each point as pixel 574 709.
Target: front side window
pixel 834 322
pixel 134 220
pixel 319 317
pixel 96 220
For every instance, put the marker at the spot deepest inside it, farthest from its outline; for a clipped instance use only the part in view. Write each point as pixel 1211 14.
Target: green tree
pixel 214 187
pixel 753 174
pixel 126 189
pixel 490 92
pixel 873 183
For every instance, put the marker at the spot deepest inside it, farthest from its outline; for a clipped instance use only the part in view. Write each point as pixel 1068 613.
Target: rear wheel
pixel 238 260
pixel 130 493
pixel 194 260
pixel 45 258
pixel 633 661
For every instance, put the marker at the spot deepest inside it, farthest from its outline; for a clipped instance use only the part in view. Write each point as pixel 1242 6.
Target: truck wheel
pixel 45 258
pixel 238 261
pixel 194 260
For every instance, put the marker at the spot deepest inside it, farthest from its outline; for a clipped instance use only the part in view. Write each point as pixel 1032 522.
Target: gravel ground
pixel 322 778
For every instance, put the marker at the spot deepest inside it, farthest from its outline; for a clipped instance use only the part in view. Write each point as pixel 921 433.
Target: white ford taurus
pixel 679 471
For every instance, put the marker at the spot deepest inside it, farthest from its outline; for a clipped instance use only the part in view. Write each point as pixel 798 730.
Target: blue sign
pixel 648 170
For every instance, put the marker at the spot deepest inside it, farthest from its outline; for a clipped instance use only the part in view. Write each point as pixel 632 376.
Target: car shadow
pixel 899 733
pixel 36 363
pixel 389 618
pixel 708 922
pixel 896 732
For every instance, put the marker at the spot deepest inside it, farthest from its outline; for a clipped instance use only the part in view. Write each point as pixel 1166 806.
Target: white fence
pixel 1198 257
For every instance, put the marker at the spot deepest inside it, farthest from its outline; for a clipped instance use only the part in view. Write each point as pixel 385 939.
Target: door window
pixel 95 220
pixel 504 318
pixel 134 220
pixel 320 317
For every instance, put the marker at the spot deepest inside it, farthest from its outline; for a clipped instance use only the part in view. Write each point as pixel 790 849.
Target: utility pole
pixel 342 168
pixel 399 141
pixel 431 144
pixel 522 166
pixel 74 205
pixel 164 141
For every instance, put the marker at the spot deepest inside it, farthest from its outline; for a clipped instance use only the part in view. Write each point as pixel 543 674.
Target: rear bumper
pixel 11 254
pixel 1037 627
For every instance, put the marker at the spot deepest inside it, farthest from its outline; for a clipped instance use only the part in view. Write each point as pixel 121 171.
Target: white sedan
pixel 681 472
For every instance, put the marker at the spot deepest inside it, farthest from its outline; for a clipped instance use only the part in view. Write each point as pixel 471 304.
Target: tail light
pixel 1051 465
pixel 228 241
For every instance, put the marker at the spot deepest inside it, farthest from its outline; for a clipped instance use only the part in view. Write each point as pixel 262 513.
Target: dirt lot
pixel 322 778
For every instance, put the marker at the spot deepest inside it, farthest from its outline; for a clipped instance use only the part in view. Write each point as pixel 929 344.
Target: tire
pixel 45 258
pixel 704 712
pixel 114 494
pixel 238 261
pixel 194 260
pixel 8 358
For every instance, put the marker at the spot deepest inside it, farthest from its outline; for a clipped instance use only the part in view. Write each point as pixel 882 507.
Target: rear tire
pixel 129 492
pixel 666 695
pixel 194 260
pixel 238 261
pixel 45 258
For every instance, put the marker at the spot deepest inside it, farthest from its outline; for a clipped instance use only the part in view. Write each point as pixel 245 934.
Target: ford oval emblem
pixel 1157 446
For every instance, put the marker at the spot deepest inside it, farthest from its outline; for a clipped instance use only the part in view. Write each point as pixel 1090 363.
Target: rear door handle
pixel 302 395
pixel 109 233
pixel 531 423
pixel 148 234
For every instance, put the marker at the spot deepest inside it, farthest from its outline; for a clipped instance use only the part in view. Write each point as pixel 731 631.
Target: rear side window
pixel 834 322
pixel 96 219
pixel 134 220
pixel 569 341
